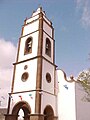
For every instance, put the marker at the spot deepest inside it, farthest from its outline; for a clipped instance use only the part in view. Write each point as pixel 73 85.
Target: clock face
pixel 24 76
pixel 48 77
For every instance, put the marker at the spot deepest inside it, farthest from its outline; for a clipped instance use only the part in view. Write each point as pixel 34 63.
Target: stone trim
pixel 48 35
pixel 47 22
pixel 13 78
pixel 53 45
pixel 11 117
pixel 24 91
pixel 9 100
pixel 22 30
pixel 36 31
pixel 37 116
pixel 25 60
pixel 37 19
pixel 39 66
pixel 55 118
pixel 35 58
pixel 29 33
pixel 49 61
pixel 31 22
pixel 18 49
pixel 55 81
pixel 38 90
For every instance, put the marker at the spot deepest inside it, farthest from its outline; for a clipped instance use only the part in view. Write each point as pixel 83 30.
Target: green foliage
pixel 84 81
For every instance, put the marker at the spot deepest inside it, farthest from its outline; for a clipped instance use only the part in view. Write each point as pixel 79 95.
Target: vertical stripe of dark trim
pixel 39 66
pixel 53 45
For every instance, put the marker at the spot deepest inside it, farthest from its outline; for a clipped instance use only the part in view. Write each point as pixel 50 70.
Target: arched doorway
pixel 23 108
pixel 48 112
pixel 21 114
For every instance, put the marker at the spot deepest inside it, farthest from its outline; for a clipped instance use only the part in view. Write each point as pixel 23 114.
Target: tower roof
pixel 35 14
pixel 39 10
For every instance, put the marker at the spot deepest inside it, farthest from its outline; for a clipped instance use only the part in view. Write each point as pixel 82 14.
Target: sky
pixel 71 22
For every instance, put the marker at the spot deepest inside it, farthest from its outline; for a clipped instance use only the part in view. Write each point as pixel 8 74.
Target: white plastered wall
pixel 44 43
pixel 66 98
pixel 31 19
pixel 48 99
pixel 28 97
pixel 48 68
pixel 47 28
pixel 29 28
pixel 34 47
pixel 20 86
pixel 30 84
pixel 47 20
pixel 48 96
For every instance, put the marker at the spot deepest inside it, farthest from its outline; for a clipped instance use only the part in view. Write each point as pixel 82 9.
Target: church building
pixel 39 89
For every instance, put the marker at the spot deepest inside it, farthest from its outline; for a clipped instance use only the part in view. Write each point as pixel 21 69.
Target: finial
pixel 40 6
pixel 71 77
pixel 33 11
pixel 25 21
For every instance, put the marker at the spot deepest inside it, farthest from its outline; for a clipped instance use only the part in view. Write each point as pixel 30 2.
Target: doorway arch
pixel 48 112
pixel 25 107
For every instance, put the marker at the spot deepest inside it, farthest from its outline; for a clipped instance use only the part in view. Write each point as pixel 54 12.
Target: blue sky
pixel 71 21
pixel 72 35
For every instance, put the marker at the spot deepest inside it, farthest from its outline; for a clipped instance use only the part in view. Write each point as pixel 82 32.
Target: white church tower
pixel 34 85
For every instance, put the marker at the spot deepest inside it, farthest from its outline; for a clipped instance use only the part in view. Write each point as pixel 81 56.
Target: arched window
pixel 48 47
pixel 28 46
pixel 49 113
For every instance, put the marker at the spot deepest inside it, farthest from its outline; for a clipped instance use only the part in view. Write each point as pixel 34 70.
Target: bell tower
pixel 34 83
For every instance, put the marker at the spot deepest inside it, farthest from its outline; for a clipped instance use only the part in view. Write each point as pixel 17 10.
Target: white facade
pixel 30 84
pixel 45 90
pixel 34 80
pixel 37 97
pixel 66 97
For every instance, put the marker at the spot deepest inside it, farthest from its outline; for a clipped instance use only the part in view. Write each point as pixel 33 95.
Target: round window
pixel 25 67
pixel 24 76
pixel 48 77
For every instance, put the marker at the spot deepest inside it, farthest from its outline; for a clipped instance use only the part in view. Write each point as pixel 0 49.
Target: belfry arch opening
pixel 21 114
pixel 23 108
pixel 28 46
pixel 48 47
pixel 48 112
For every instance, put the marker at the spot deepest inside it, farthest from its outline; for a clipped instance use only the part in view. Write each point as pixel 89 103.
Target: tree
pixel 84 80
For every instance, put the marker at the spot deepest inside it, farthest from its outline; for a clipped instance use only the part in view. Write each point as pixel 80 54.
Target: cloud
pixel 83 6
pixel 7 52
pixel 85 19
pixel 7 57
pixel 80 3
